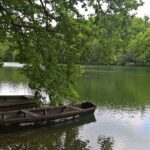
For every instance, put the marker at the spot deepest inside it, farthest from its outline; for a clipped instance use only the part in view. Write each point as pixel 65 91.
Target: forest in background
pixel 115 42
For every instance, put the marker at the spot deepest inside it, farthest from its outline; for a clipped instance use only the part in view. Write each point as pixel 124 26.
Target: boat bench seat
pixel 29 113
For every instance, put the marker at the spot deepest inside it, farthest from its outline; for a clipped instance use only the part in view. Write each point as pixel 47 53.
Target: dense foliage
pixel 113 43
pixel 50 37
pixel 139 48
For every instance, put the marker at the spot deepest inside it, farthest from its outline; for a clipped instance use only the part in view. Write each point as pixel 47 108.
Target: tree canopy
pixel 51 36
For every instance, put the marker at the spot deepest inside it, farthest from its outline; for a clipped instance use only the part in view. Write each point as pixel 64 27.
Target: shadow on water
pixel 54 137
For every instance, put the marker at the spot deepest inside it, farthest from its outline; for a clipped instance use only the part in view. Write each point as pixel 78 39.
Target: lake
pixel 121 120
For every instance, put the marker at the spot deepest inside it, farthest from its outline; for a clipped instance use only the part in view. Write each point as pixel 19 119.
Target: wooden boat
pixel 42 116
pixel 14 102
pixel 72 123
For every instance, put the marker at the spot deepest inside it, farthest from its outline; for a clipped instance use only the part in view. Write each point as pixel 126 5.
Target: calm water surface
pixel 121 120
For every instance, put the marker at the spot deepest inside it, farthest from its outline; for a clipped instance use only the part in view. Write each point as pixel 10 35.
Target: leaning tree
pixel 48 36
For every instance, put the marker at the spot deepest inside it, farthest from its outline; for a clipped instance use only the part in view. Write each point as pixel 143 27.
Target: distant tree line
pixel 118 41
pixel 115 41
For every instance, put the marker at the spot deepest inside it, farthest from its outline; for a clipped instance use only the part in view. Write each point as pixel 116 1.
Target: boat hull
pixel 43 116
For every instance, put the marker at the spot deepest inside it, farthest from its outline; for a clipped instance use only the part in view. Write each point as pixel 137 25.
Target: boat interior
pixel 39 112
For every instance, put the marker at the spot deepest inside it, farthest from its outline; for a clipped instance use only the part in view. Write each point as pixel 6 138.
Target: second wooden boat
pixel 14 102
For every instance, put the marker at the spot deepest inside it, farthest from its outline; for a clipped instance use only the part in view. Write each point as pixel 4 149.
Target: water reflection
pixel 116 86
pixel 106 143
pixel 111 130
pixel 13 65
pixel 122 118
pixel 118 130
pixel 9 88
pixel 12 75
pixel 50 138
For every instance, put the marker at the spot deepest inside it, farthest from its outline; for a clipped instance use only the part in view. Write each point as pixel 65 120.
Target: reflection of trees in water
pixel 62 140
pixel 52 138
pixel 72 142
pixel 106 143
pixel 25 146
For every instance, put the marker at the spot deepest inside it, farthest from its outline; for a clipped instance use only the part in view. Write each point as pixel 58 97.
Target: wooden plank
pixel 76 108
pixel 29 113
pixel 10 112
